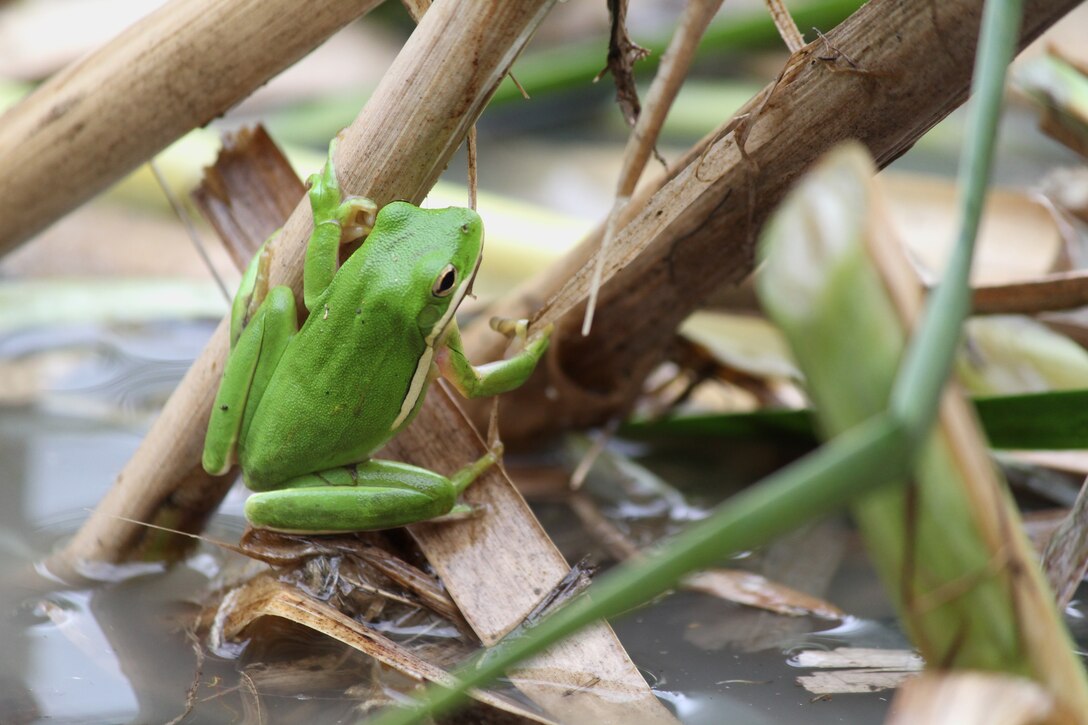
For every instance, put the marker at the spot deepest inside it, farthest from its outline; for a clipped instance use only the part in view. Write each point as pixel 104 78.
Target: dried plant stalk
pixel 787 28
pixel 1058 291
pixel 173 71
pixel 696 232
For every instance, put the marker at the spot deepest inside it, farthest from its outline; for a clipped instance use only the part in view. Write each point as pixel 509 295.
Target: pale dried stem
pixel 791 36
pixel 175 70
pixel 695 233
pixel 470 147
pixel 640 144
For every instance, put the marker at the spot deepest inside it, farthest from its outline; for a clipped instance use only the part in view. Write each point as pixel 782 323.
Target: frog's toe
pixel 510 327
pixel 356 215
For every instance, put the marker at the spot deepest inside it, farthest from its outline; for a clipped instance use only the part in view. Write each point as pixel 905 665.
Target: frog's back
pixel 357 370
pixel 327 408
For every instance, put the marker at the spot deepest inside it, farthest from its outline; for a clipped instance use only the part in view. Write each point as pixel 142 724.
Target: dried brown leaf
pixel 249 192
pixel 755 590
pixel 623 53
pixel 263 596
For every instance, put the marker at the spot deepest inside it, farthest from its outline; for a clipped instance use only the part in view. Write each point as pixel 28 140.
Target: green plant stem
pixel 928 359
pixel 812 486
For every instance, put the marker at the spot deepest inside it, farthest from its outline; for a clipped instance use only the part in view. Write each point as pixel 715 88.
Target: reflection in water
pixel 73 409
pixel 124 652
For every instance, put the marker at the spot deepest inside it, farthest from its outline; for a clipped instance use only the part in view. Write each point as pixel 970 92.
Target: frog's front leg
pixel 481 381
pixel 336 223
pixel 248 369
pixel 369 496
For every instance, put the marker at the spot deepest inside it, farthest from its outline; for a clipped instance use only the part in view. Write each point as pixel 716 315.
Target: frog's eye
pixel 445 282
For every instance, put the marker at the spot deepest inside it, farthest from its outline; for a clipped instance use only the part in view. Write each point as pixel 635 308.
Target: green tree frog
pixel 302 410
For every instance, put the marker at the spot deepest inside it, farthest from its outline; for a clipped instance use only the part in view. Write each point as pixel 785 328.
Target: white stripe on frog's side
pixel 420 377
pixel 423 367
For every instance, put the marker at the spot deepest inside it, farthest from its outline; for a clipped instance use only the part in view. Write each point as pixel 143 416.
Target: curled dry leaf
pixel 285 550
pixel 263 596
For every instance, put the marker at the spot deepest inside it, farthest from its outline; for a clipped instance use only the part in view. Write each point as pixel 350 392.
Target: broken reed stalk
pixel 696 232
pixel 950 547
pixel 395 149
pixel 175 70
pixel 787 28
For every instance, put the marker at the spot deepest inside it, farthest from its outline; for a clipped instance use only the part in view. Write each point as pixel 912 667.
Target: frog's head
pixel 445 247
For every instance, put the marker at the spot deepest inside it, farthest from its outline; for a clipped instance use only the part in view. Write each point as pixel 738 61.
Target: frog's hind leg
pixel 247 372
pixel 369 496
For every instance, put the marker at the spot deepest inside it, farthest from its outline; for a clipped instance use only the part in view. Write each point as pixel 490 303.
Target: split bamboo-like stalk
pixel 177 69
pixel 696 233
pixel 950 546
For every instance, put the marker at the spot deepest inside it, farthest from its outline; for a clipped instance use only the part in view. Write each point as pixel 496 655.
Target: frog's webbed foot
pixel 519 330
pixel 501 376
pixel 336 223
pixel 356 216
pixel 460 512
pixel 251 291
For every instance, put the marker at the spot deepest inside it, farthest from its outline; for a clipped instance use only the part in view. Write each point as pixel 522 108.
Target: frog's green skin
pixel 302 410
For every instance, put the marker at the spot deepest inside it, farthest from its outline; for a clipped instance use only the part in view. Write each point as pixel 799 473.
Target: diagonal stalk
pixel 928 360
pixel 813 486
